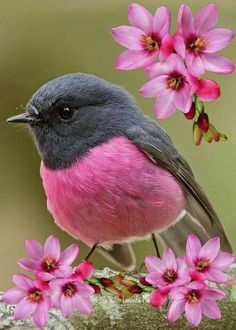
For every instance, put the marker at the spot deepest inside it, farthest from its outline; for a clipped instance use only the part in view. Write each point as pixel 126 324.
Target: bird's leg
pixel 155 244
pixel 91 251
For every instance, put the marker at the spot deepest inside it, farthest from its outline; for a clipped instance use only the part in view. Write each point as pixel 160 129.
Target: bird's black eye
pixel 66 112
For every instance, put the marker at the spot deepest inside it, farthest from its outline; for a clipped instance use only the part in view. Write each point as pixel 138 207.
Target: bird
pixel 111 174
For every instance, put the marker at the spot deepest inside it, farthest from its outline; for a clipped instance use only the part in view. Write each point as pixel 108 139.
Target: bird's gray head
pixel 73 113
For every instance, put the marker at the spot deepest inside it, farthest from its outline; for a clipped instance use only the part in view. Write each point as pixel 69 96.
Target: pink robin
pixel 110 173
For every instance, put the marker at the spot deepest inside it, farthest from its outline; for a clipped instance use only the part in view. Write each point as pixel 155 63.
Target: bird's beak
pixel 23 118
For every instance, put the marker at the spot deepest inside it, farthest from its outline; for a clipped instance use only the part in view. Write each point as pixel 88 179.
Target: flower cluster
pixel 183 58
pixel 185 280
pixel 55 283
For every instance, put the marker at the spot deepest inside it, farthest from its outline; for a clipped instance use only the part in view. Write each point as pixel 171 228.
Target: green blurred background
pixel 40 40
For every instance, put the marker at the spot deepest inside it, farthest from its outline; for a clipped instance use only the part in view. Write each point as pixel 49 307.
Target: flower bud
pixel 96 288
pixel 214 134
pixel 197 134
pixel 203 122
pixel 135 289
pixel 191 114
pixel 144 282
pixel 106 282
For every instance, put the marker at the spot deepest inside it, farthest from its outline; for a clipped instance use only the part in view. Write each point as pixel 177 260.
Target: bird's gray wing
pixel 151 139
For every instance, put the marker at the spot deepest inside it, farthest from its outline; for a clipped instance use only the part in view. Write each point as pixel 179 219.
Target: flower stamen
pixel 198 44
pixel 150 42
pixel 35 295
pixel 69 289
pixel 170 275
pixel 202 264
pixel 193 297
pixel 49 263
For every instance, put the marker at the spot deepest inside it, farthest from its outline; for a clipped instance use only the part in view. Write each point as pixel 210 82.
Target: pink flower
pixel 84 270
pixel 200 41
pixel 165 274
pixel 48 262
pixel 207 262
pixel 71 294
pixel 195 299
pixel 169 83
pixel 29 300
pixel 146 38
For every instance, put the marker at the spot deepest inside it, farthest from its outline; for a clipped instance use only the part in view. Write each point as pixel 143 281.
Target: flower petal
pixel 180 13
pixel 165 105
pixel 69 255
pixel 14 295
pixel 223 261
pixel 52 247
pixel 194 64
pixel 218 39
pixel 23 281
pixel 187 22
pixel 208 90
pixel 84 305
pixel 210 309
pixel 140 17
pixel 176 309
pixel 56 298
pixel 44 276
pixel 216 63
pixel 85 269
pixel 212 293
pixel 40 315
pixel 175 63
pixel 156 69
pixel 161 22
pixel 183 99
pixel 178 293
pixel 153 264
pixel 193 314
pixel 85 290
pixel 193 248
pixel 156 279
pixel 206 19
pixel 154 87
pixel 167 47
pixel 169 259
pixel 179 45
pixel 210 249
pixel 66 306
pixel 158 298
pixel 24 309
pixel 34 249
pixel 133 59
pixel 217 276
pixel 128 36
pixel 28 264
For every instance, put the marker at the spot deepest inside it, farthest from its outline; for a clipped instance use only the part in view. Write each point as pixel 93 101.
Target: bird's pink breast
pixel 112 194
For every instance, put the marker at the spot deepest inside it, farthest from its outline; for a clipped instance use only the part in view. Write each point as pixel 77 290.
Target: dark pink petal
pixel 193 248
pixel 66 306
pixel 85 290
pixel 14 295
pixel 52 247
pixel 28 264
pixel 210 309
pixel 133 59
pixel 212 293
pixel 179 45
pixel 23 281
pixel 24 309
pixel 196 276
pixel 34 249
pixel 156 69
pixel 161 22
pixel 154 87
pixel 85 269
pixel 210 249
pixel 206 19
pixel 194 64
pixel 167 47
pixel 178 293
pixel 208 90
pixel 183 99
pixel 218 39
pixel 217 276
pixel 223 261
pixel 69 255
pixel 158 298
pixel 140 17
pixel 216 63
pixel 44 276
pixel 128 36
pixel 169 259
pixel 176 309
pixel 153 264
pixel 156 279
pixel 82 304
pixel 40 315
pixel 187 22
pixel 165 105
pixel 193 314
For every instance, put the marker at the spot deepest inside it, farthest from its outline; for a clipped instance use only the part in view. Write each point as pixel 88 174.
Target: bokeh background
pixel 40 40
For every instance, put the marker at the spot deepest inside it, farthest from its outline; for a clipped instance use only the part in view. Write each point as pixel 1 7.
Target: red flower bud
pixel 191 114
pixel 96 288
pixel 135 289
pixel 144 282
pixel 106 282
pixel 203 122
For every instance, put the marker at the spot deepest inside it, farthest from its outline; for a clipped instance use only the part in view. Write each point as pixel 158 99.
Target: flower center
pixel 193 297
pixel 34 295
pixel 175 81
pixel 196 45
pixel 202 264
pixel 49 264
pixel 69 289
pixel 150 42
pixel 170 275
